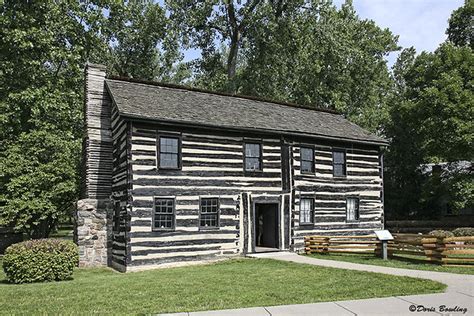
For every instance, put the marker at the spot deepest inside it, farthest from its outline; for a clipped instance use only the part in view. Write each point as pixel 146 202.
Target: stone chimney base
pixel 93 233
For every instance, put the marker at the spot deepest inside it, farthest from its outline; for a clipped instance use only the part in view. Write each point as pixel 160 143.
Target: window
pixel 209 213
pixel 169 153
pixel 307 160
pixel 339 163
pixel 164 215
pixel 352 209
pixel 253 157
pixel 306 211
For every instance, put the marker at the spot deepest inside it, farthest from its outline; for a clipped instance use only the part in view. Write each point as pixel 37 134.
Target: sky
pixel 419 23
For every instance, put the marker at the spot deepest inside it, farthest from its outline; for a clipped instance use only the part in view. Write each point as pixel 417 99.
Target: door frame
pixel 265 200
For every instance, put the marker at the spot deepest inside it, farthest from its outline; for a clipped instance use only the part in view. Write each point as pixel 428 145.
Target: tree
pixel 42 181
pixel 219 29
pixel 440 87
pixel 44 46
pixel 402 178
pixel 431 122
pixel 308 52
pixel 135 31
pixel 461 28
pixel 321 56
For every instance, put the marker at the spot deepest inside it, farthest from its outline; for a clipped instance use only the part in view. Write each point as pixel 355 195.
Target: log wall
pixel 363 180
pixel 212 166
pixel 120 248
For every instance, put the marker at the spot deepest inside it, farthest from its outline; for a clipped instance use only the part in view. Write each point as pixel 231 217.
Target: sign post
pixel 384 236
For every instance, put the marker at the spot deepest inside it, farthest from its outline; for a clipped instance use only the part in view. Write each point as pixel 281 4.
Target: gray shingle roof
pixel 181 105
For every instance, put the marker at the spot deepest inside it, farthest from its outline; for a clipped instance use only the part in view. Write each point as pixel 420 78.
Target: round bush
pixel 40 260
pixel 463 231
pixel 441 233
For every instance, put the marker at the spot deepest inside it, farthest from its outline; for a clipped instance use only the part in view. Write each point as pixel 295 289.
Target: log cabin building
pixel 174 175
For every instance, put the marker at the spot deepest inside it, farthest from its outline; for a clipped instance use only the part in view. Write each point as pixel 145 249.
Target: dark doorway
pixel 266 227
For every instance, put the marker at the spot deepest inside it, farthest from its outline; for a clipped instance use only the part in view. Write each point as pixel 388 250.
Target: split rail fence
pixel 413 247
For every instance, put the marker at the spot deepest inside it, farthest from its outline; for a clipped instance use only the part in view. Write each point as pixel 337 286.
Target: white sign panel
pixel 383 235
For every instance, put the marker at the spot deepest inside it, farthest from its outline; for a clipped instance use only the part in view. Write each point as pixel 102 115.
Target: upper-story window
pixel 209 217
pixel 307 159
pixel 169 153
pixel 339 163
pixel 352 209
pixel 253 157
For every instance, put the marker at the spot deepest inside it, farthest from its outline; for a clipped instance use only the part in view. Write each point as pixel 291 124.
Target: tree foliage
pixel 134 32
pixel 308 52
pixel 461 26
pixel 324 56
pixel 44 46
pixel 431 122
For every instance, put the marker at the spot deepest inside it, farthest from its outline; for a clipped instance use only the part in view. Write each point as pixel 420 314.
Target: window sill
pixel 208 228
pixel 164 169
pixel 163 230
pixel 307 224
pixel 252 173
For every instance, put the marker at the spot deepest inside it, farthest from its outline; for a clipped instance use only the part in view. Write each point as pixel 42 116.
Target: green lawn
pixel 394 263
pixel 228 284
pixel 64 232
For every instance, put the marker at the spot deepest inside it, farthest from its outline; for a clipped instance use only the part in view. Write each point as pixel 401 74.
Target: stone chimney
pixel 93 215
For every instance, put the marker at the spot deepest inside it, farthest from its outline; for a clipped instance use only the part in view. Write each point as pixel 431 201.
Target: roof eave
pixel 382 142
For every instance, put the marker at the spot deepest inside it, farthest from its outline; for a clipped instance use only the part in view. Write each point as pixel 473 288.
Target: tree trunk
pixel 232 60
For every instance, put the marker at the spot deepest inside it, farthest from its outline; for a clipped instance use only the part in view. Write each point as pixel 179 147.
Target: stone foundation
pixel 93 233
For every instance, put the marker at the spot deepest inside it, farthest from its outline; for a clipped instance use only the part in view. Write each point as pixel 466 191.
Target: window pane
pixel 338 157
pixel 352 209
pixel 164 213
pixel 306 166
pixel 209 212
pixel 307 159
pixel 169 160
pixel 208 220
pixel 306 210
pixel 252 157
pixel 252 150
pixel 168 145
pixel 169 149
pixel 338 170
pixel 252 164
pixel 307 154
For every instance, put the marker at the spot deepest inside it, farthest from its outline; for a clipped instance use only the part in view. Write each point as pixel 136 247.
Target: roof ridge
pixel 188 88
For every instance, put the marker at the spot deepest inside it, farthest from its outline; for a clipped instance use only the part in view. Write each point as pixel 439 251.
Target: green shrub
pixel 463 231
pixel 40 260
pixel 441 233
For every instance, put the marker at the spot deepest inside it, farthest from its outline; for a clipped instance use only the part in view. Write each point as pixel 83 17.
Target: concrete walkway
pixel 459 296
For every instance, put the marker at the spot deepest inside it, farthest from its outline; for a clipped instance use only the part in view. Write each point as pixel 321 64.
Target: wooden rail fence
pixel 341 244
pixel 458 251
pixel 413 247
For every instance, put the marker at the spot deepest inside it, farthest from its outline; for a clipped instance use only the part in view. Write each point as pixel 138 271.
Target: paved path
pixel 459 294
